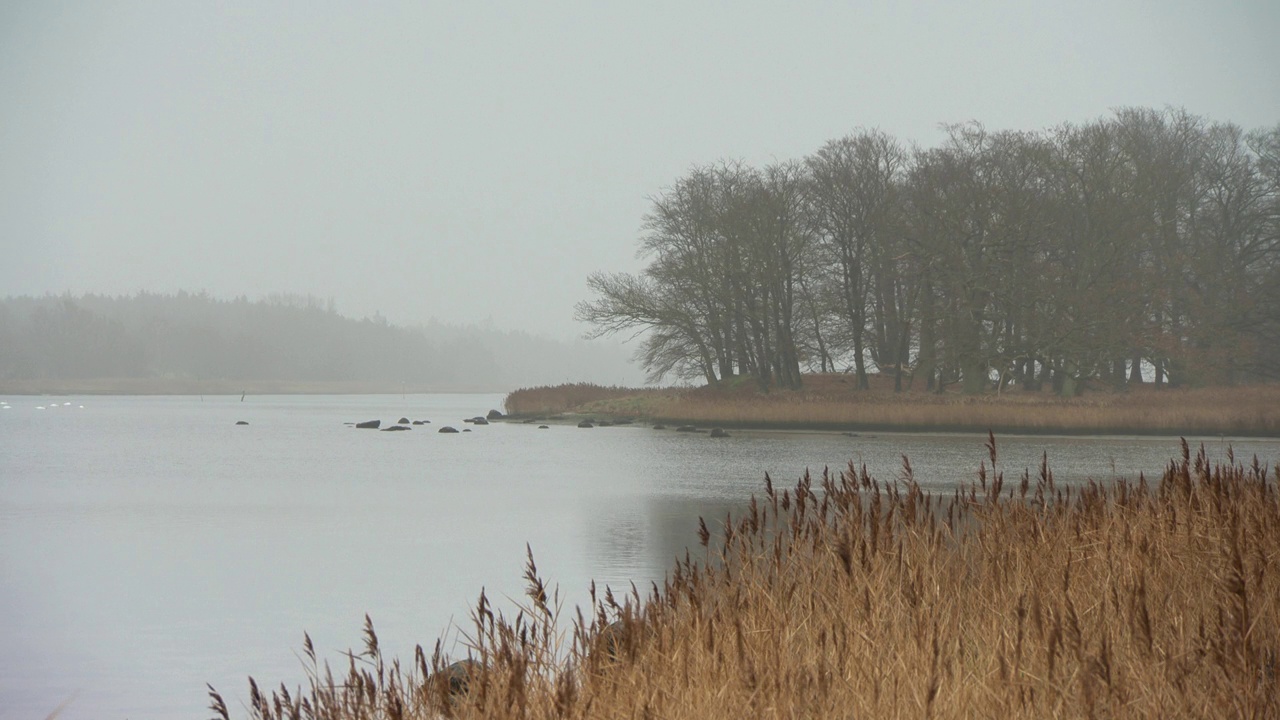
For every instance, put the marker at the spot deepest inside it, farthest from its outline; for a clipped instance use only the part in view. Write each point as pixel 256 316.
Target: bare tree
pixel 854 214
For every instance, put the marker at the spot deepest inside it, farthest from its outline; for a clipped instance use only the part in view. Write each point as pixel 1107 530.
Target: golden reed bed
pixel 847 597
pixel 830 402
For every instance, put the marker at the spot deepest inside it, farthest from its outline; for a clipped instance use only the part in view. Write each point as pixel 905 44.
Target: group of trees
pixel 279 338
pixel 1142 244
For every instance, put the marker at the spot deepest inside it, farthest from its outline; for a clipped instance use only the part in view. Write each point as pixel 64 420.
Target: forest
pixel 1141 247
pixel 301 339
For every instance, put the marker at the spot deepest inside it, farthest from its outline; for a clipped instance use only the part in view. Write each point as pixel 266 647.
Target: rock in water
pixel 242 422
pixel 369 424
pixel 395 427
pixel 459 676
pixel 586 424
pixel 494 415
pixel 719 433
pixel 447 429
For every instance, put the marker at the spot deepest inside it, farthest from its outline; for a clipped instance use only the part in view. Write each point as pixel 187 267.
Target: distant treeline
pixel 300 339
pixel 1141 244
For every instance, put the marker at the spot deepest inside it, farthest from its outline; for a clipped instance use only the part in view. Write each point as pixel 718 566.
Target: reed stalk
pixel 846 596
pixel 828 403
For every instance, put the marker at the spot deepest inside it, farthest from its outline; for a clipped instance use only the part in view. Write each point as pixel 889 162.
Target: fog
pixel 472 163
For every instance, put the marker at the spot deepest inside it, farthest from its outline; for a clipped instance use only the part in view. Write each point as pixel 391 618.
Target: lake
pixel 149 545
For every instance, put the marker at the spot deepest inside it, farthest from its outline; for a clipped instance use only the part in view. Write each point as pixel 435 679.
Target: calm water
pixel 150 545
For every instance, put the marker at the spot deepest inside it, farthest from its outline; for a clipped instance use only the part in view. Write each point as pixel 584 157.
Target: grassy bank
pixel 832 402
pixel 580 397
pixel 848 597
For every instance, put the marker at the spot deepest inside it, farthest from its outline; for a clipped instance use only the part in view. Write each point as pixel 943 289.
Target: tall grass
pixel 845 596
pixel 555 399
pixel 828 403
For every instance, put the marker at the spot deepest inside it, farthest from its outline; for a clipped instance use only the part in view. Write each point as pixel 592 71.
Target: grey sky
pixel 468 161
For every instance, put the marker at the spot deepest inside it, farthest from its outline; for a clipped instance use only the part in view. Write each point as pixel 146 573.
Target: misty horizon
pixel 472 163
pixel 196 343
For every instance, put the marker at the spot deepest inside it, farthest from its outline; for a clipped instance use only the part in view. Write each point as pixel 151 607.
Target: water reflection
pixel 638 537
pixel 642 542
pixel 617 544
pixel 149 545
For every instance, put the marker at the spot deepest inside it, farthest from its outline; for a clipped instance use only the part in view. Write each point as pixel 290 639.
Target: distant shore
pixel 178 386
pixel 832 403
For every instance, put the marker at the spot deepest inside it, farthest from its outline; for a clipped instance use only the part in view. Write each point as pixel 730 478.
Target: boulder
pixel 493 415
pixel 466 429
pixel 586 424
pixel 659 427
pixel 420 422
pixel 393 428
pixel 544 427
pixel 620 640
pixel 719 433
pixel 458 677
pixel 612 640
pixel 369 424
pixel 403 421
pixel 447 429
pixel 479 421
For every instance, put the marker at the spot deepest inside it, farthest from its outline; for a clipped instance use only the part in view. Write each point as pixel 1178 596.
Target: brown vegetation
pixel 858 598
pixel 556 399
pixel 833 402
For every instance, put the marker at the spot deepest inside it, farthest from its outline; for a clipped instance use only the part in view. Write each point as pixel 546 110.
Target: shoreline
pixel 156 387
pixel 981 600
pixel 855 431
pixel 830 404
pixel 1246 412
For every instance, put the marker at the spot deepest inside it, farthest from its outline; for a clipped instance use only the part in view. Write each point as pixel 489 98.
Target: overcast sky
pixel 475 161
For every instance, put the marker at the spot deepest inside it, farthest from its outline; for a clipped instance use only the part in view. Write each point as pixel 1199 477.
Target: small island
pixel 832 402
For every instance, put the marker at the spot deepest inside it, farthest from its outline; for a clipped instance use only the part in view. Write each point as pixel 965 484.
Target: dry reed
pixel 829 403
pixel 556 399
pixel 848 597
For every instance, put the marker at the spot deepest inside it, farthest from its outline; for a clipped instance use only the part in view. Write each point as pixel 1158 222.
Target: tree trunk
pixel 975 378
pixel 1070 381
pixel 858 362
